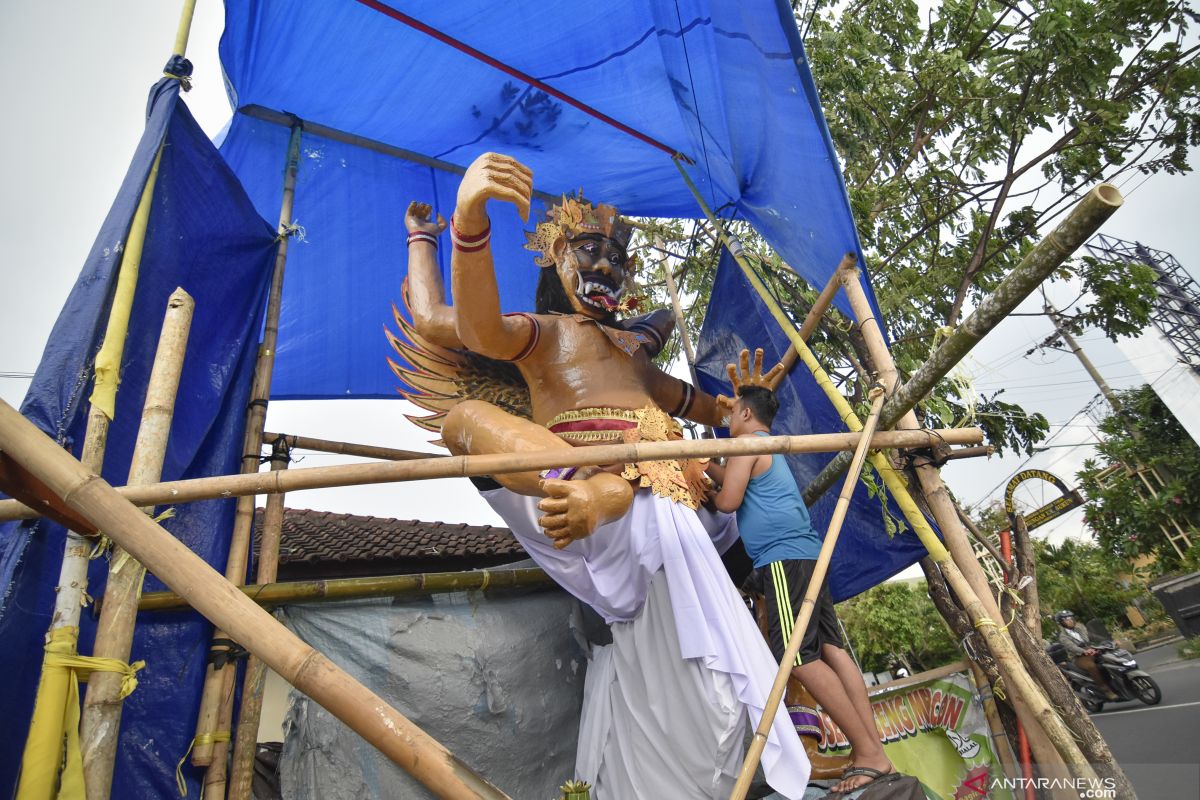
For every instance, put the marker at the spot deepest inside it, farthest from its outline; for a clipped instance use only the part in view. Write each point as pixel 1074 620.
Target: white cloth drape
pixel 663 715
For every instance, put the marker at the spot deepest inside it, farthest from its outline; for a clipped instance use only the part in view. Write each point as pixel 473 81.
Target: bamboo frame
pixel 102 704
pixel 217 599
pixel 813 318
pixel 217 696
pixel 241 766
pixel 331 590
pixel 1046 256
pixel 294 480
pixel 759 742
pixel 46 726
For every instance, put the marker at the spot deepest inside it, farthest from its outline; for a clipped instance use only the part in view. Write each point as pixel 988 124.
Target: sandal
pixel 864 771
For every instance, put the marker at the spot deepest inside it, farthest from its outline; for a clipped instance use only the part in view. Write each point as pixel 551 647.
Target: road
pixel 1159 746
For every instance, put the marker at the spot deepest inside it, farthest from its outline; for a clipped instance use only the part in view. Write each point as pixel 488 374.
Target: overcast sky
pixel 74 78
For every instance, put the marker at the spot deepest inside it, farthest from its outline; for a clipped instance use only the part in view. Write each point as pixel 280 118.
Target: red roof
pixel 324 544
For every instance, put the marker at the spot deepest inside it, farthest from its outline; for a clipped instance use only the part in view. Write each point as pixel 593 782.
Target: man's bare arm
pixel 480 324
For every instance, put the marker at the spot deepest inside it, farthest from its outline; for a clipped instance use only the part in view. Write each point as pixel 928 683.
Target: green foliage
pixel 897 619
pixel 1085 578
pixel 1190 648
pixel 1127 520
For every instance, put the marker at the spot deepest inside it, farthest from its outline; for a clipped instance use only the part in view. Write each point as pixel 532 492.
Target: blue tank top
pixel 773 520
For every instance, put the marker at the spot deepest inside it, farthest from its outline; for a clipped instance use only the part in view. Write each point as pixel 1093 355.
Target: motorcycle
pixel 1118 666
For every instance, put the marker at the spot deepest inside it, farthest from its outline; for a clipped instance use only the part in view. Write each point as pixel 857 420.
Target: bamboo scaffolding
pixel 218 600
pixel 245 743
pixel 759 742
pixel 295 480
pixel 346 448
pixel 46 728
pixel 334 589
pixel 1046 256
pixel 961 551
pixel 218 682
pixel 331 590
pixel 685 338
pixel 813 318
pixel 1016 678
pixel 102 704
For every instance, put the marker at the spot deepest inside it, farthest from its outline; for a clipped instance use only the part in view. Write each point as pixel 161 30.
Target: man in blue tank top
pixel 779 537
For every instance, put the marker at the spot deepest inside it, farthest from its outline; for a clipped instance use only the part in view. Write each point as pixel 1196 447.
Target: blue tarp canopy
pixel 723 83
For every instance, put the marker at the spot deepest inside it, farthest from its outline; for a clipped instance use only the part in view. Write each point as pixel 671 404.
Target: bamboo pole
pixel 46 726
pixel 241 770
pixel 680 322
pixel 102 704
pixel 294 480
pixel 1016 677
pixel 1027 564
pixel 813 318
pixel 946 515
pixel 218 600
pixel 218 682
pixel 1037 265
pixel 185 27
pixel 335 589
pixel 346 448
pixel 759 742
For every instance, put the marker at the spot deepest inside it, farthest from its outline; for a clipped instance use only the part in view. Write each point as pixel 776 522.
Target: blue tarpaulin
pixel 736 319
pixel 723 82
pixel 205 236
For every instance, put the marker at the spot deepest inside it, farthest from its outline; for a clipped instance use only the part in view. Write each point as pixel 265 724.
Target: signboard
pixel 936 731
pixel 1055 508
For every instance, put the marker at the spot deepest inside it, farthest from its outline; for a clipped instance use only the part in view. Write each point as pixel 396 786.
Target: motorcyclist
pixel 1078 645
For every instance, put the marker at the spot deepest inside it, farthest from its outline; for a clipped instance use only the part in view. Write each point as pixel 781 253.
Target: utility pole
pixel 1151 477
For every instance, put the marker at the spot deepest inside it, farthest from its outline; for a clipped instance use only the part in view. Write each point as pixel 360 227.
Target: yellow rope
pixel 203 738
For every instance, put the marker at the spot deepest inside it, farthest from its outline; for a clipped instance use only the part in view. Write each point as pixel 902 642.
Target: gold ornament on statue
pixel 576 790
pixel 573 216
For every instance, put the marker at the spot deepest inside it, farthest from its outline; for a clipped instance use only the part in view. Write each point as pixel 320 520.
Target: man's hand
pixel 747 377
pixel 418 219
pixel 492 177
pixel 1090 651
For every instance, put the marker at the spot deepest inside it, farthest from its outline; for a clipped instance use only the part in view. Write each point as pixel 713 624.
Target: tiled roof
pixel 328 544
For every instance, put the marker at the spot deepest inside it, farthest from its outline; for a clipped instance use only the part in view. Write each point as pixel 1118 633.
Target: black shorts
pixel 783 583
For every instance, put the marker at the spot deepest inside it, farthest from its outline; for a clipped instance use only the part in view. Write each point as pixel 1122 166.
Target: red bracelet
pixel 473 243
pixel 422 236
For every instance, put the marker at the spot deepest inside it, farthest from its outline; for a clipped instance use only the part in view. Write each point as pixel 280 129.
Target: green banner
pixel 935 731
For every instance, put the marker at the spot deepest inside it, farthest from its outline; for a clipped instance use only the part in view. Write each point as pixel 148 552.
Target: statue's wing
pixel 439 378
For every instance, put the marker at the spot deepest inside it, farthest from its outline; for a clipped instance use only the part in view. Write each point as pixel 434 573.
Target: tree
pixel 1084 578
pixel 963 133
pixel 897 619
pixel 1127 520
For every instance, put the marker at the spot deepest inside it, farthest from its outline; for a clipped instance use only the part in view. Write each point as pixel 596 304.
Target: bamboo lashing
pixel 245 743
pixel 1018 680
pixel 102 703
pixel 46 734
pixel 217 599
pixel 295 480
pixel 218 683
pixel 334 589
pixel 759 742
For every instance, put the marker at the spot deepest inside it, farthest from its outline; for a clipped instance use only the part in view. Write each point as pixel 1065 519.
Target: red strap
pixel 535 335
pixel 462 47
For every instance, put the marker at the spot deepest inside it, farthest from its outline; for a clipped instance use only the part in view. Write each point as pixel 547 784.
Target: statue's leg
pixel 572 509
pixel 474 427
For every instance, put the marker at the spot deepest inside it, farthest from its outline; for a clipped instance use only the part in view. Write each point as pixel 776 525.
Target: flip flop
pixel 864 772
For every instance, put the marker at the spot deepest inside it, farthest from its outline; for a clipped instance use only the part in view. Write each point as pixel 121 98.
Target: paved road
pixel 1159 746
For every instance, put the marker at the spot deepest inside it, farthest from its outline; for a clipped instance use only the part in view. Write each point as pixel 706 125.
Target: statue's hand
pixel 418 219
pixel 574 509
pixel 747 377
pixel 492 177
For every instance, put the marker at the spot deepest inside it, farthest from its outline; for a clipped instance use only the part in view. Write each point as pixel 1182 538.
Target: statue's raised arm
pixel 481 327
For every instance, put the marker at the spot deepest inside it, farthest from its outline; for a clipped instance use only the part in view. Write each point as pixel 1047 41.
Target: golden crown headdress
pixel 573 216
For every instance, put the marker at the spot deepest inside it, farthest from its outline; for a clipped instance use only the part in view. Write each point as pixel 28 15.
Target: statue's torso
pixel 576 366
